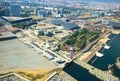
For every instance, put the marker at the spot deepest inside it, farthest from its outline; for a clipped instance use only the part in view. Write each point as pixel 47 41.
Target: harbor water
pixel 110 55
pixel 79 73
pixel 102 63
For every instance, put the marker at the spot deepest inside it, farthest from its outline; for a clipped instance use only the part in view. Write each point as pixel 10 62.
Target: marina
pixel 59 40
pixel 100 61
pixel 112 53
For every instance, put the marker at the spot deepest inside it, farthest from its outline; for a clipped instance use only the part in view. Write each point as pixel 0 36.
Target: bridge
pixel 102 75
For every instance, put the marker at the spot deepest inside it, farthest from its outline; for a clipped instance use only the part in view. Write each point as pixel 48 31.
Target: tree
pixel 1 24
pixel 81 44
pixel 83 31
pixel 75 34
pixel 71 41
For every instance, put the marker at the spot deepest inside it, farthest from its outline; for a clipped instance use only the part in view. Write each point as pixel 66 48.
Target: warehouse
pixel 14 20
pixel 70 26
pixel 115 25
pixel 57 22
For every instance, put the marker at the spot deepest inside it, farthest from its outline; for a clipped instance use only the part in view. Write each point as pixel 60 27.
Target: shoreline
pixel 90 54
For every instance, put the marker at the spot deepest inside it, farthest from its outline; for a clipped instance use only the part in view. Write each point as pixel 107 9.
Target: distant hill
pixel 106 1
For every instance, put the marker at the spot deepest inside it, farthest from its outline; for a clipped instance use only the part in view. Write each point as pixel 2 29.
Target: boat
pixel 106 46
pixel 99 54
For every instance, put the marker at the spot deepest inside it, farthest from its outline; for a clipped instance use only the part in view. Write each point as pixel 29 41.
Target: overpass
pixel 102 75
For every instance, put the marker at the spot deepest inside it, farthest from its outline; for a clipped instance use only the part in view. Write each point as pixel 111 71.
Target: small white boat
pixel 106 46
pixel 99 54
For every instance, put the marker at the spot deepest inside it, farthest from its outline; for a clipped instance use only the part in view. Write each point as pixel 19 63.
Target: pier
pixel 102 75
pixel 92 53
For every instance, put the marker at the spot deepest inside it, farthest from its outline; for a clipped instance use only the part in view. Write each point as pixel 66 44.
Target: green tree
pixel 1 24
pixel 71 41
pixel 81 44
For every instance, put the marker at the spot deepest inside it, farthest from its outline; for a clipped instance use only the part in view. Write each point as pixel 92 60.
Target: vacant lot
pixel 16 55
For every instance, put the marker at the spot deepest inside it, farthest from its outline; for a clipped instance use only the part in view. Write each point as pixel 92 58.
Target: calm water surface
pixel 102 63
pixel 110 55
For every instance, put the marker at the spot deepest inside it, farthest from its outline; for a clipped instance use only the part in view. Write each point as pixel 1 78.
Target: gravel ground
pixel 16 55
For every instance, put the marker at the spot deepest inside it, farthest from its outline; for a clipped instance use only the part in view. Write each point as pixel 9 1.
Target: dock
pixel 92 54
pixel 102 75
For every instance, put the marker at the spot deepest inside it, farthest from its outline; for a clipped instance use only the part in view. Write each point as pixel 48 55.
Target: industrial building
pixel 41 13
pixel 70 26
pixel 4 9
pixel 14 20
pixel 115 25
pixel 57 22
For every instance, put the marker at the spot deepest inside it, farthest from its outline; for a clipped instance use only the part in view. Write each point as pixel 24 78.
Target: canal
pixel 79 73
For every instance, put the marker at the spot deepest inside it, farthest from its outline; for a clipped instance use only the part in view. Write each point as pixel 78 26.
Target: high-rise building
pixel 4 9
pixel 119 9
pixel 15 10
pixel 41 13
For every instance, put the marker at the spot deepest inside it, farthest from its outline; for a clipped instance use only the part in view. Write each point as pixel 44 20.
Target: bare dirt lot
pixel 16 55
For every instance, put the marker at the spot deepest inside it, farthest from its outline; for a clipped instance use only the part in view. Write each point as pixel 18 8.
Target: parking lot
pixel 17 55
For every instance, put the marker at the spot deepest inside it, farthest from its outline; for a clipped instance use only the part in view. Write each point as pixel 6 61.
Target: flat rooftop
pixel 14 18
pixel 15 55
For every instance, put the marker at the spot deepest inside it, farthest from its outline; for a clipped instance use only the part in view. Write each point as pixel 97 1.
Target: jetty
pixel 102 75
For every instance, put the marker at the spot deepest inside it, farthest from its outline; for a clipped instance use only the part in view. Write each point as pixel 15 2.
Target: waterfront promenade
pixel 92 54
pixel 87 57
pixel 102 75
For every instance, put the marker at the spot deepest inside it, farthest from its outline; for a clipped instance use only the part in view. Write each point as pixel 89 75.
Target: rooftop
pixel 57 21
pixel 15 19
pixel 70 25
pixel 114 24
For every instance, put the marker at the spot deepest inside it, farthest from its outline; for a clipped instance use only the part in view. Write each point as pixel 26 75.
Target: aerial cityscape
pixel 59 40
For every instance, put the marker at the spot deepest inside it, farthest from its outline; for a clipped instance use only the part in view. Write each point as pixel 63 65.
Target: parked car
pixel 60 61
pixel 51 58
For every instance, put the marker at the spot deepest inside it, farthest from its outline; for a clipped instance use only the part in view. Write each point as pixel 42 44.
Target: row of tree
pixel 81 37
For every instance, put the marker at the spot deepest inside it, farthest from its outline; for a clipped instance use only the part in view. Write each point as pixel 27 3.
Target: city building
pixel 41 13
pixel 119 10
pixel 14 20
pixel 15 10
pixel 115 25
pixel 70 26
pixel 4 11
pixel 57 22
